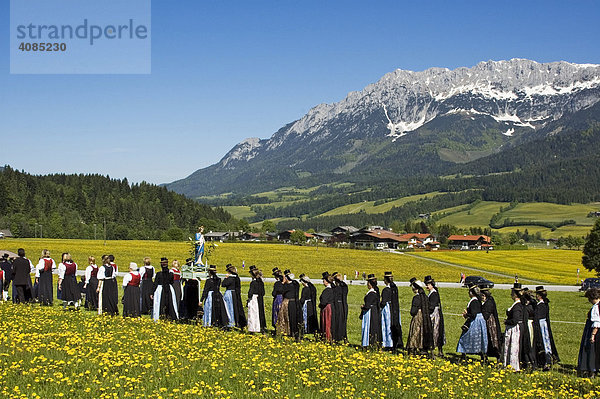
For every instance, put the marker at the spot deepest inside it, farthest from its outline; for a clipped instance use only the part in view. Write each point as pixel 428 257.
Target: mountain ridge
pixel 431 116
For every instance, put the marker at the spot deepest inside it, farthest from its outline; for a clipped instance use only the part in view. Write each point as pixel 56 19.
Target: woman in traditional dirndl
pixel 277 296
pixel 308 302
pixel 256 305
pixel 436 314
pixel 131 292
pixel 420 334
pixel 543 340
pixel 473 339
pixel 511 355
pixel 371 316
pixel 391 325
pixel 492 322
pixel 588 361
pixel 214 308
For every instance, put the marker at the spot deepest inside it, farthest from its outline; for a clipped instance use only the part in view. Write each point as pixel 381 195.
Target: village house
pixel 378 239
pixel 286 236
pixel 469 242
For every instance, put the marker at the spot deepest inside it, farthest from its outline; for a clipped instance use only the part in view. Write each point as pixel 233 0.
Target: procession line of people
pixel 526 343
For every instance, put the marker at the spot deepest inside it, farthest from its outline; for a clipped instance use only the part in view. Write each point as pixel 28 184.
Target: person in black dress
pixel 514 328
pixel 147 286
pixel 277 294
pixel 326 301
pixel 290 316
pixel 67 281
pixel 492 322
pixel 308 303
pixel 390 315
pixel 164 298
pixel 108 295
pixel 91 284
pixel 341 307
pixel 191 296
pixel 233 298
pixel 371 316
pixel 420 335
pixel 131 292
pixel 527 351
pixel 257 322
pixel 543 340
pixel 21 269
pixel 214 308
pixel 44 278
pixel 436 314
pixel 6 267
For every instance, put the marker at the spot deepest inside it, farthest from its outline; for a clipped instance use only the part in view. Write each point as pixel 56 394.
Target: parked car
pixel 478 281
pixel 588 283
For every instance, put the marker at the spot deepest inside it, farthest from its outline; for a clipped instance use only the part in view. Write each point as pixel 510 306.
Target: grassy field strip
pixel 461 266
pixel 548 265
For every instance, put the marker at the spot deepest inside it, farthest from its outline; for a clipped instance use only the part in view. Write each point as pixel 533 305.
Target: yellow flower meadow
pixel 46 353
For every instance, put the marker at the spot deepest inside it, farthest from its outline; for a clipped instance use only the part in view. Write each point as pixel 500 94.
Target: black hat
pixel 164 259
pixel 212 268
pixel 429 280
pixel 540 290
pixel 286 272
pixel 517 286
pixel 335 274
pixel 276 270
pixel 371 277
pixel 388 274
pixel 230 268
pixel 5 255
pixel 412 280
pixel 252 267
pixel 485 290
pixel 326 276
pixel 303 277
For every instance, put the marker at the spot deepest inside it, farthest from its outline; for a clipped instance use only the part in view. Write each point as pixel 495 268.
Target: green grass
pixel 370 207
pixel 478 216
pixel 547 212
pixel 240 212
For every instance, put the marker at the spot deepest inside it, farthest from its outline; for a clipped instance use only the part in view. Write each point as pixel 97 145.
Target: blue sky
pixel 223 71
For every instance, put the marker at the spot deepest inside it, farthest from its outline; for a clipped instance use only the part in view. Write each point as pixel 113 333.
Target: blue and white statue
pixel 199 246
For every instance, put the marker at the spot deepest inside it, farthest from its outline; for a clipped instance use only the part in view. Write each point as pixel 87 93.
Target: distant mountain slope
pixel 76 206
pixel 408 123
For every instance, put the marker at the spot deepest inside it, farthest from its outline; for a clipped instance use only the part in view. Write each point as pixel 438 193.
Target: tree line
pixel 79 206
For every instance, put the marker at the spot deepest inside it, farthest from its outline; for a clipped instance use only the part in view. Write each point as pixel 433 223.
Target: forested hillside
pixel 77 206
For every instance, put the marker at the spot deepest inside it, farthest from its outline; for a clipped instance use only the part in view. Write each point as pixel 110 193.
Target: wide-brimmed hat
pixel 287 273
pixel 230 268
pixel 416 283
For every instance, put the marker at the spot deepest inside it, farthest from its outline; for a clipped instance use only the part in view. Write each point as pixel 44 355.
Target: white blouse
pixel 42 265
pixel 127 277
pixel 595 316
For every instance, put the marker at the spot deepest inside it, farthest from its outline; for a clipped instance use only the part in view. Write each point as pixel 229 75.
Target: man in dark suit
pixel 6 267
pixel 21 269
